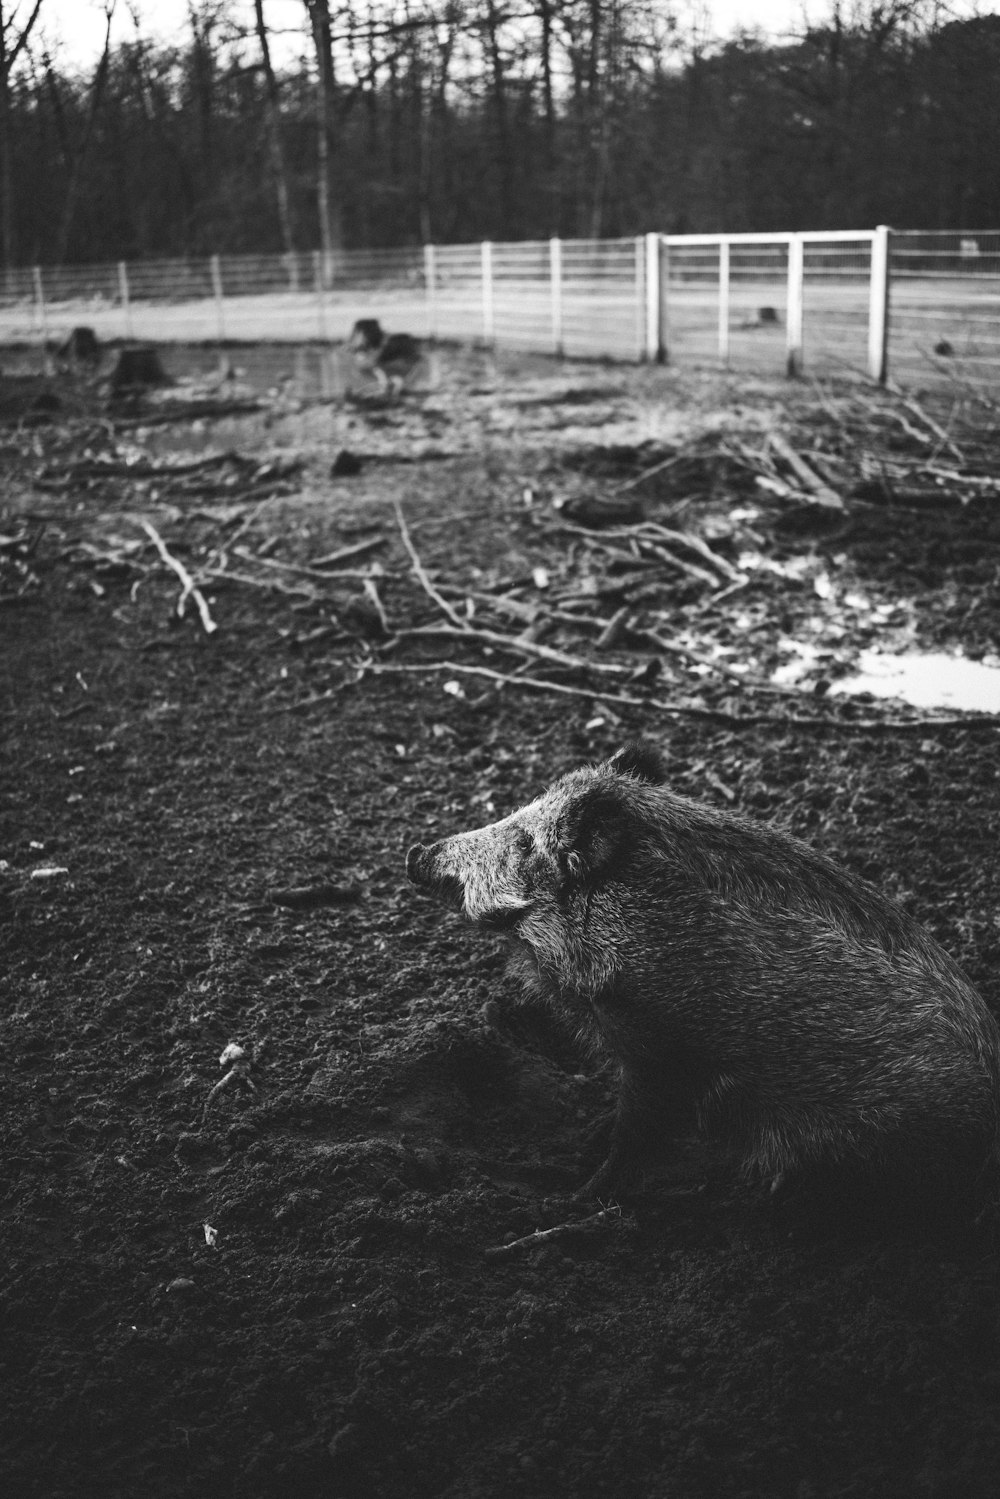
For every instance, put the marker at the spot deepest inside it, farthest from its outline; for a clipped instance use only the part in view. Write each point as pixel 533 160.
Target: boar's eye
pixel 524 845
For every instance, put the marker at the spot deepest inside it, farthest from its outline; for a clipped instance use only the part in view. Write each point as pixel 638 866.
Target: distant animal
pixel 390 357
pixel 766 317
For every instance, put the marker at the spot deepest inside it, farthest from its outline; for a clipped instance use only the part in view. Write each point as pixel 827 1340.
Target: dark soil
pixel 283 1287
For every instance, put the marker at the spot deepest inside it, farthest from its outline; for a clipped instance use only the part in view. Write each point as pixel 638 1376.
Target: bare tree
pixel 328 198
pixel 275 144
pixel 78 157
pixel 12 43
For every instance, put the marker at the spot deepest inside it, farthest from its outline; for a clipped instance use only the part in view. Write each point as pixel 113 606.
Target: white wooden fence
pixel 922 305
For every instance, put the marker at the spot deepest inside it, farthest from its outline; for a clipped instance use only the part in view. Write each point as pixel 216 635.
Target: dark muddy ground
pixel 285 1287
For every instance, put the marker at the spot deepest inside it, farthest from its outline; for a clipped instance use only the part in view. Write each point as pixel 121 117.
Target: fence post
pixel 217 292
pixel 796 264
pixel 123 292
pixel 724 301
pixel 317 257
pixel 487 274
pixel 555 286
pixel 878 307
pixel 430 291
pixel 656 307
pixel 43 326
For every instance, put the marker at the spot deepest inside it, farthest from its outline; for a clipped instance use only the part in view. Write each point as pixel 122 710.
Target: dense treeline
pixel 452 120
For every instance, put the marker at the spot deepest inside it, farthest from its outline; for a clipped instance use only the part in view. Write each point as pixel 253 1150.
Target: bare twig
pixel 612 633
pixel 372 595
pixel 681 563
pixel 688 539
pixel 518 645
pixel 270 585
pixel 647 473
pixel 334 559
pixel 681 710
pixel 928 421
pixel 418 568
pixel 545 1235
pixel 190 588
pixel 248 520
pixel 649 532
pixel 310 897
pixel 239 1072
pixel 303 569
pixel 722 668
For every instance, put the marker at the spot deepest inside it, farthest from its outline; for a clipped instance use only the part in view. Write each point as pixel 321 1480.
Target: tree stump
pixel 138 368
pixel 81 347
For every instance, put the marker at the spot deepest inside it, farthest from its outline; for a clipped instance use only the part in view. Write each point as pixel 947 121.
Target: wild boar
pixel 721 962
pixel 390 357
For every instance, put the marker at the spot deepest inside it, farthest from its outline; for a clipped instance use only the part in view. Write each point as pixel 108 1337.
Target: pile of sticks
pixel 564 642
pixel 618 578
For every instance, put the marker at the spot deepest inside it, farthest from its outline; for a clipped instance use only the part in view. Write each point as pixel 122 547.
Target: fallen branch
pixel 303 569
pixel 681 563
pixel 928 421
pixel 517 645
pixel 610 634
pixel 649 532
pixel 648 473
pixel 190 588
pixel 689 539
pixel 311 897
pixel 372 595
pixel 818 489
pixel 676 710
pixel 722 668
pixel 270 585
pixel 333 559
pixel 545 1235
pixel 248 520
pixel 418 568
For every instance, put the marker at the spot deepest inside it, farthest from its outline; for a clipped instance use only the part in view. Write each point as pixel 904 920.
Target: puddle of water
pixel 933 680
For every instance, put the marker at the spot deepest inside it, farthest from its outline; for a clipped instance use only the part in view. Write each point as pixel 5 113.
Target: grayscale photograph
pixel 499 749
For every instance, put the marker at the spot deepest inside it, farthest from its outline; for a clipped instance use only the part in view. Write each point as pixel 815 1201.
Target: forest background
pixel 386 124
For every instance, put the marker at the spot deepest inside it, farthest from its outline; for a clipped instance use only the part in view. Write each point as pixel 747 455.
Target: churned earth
pixel 297 1283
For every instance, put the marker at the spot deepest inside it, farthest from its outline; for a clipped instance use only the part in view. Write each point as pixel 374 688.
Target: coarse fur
pixel 723 963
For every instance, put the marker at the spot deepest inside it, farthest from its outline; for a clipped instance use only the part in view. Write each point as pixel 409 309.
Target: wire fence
pixel 946 305
pixel 920 305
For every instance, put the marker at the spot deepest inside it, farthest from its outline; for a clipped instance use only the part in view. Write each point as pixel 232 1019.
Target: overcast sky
pixel 79 24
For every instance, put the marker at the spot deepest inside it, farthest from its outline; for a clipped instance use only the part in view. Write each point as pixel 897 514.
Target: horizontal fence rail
pixel 920 304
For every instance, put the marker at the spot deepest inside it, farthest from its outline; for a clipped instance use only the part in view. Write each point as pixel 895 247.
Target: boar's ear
pixel 593 830
pixel 640 759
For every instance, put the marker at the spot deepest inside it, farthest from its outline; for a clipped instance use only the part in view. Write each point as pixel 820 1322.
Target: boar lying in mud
pixel 718 961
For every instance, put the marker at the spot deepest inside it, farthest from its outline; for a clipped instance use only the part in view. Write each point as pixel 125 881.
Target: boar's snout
pixel 423 869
